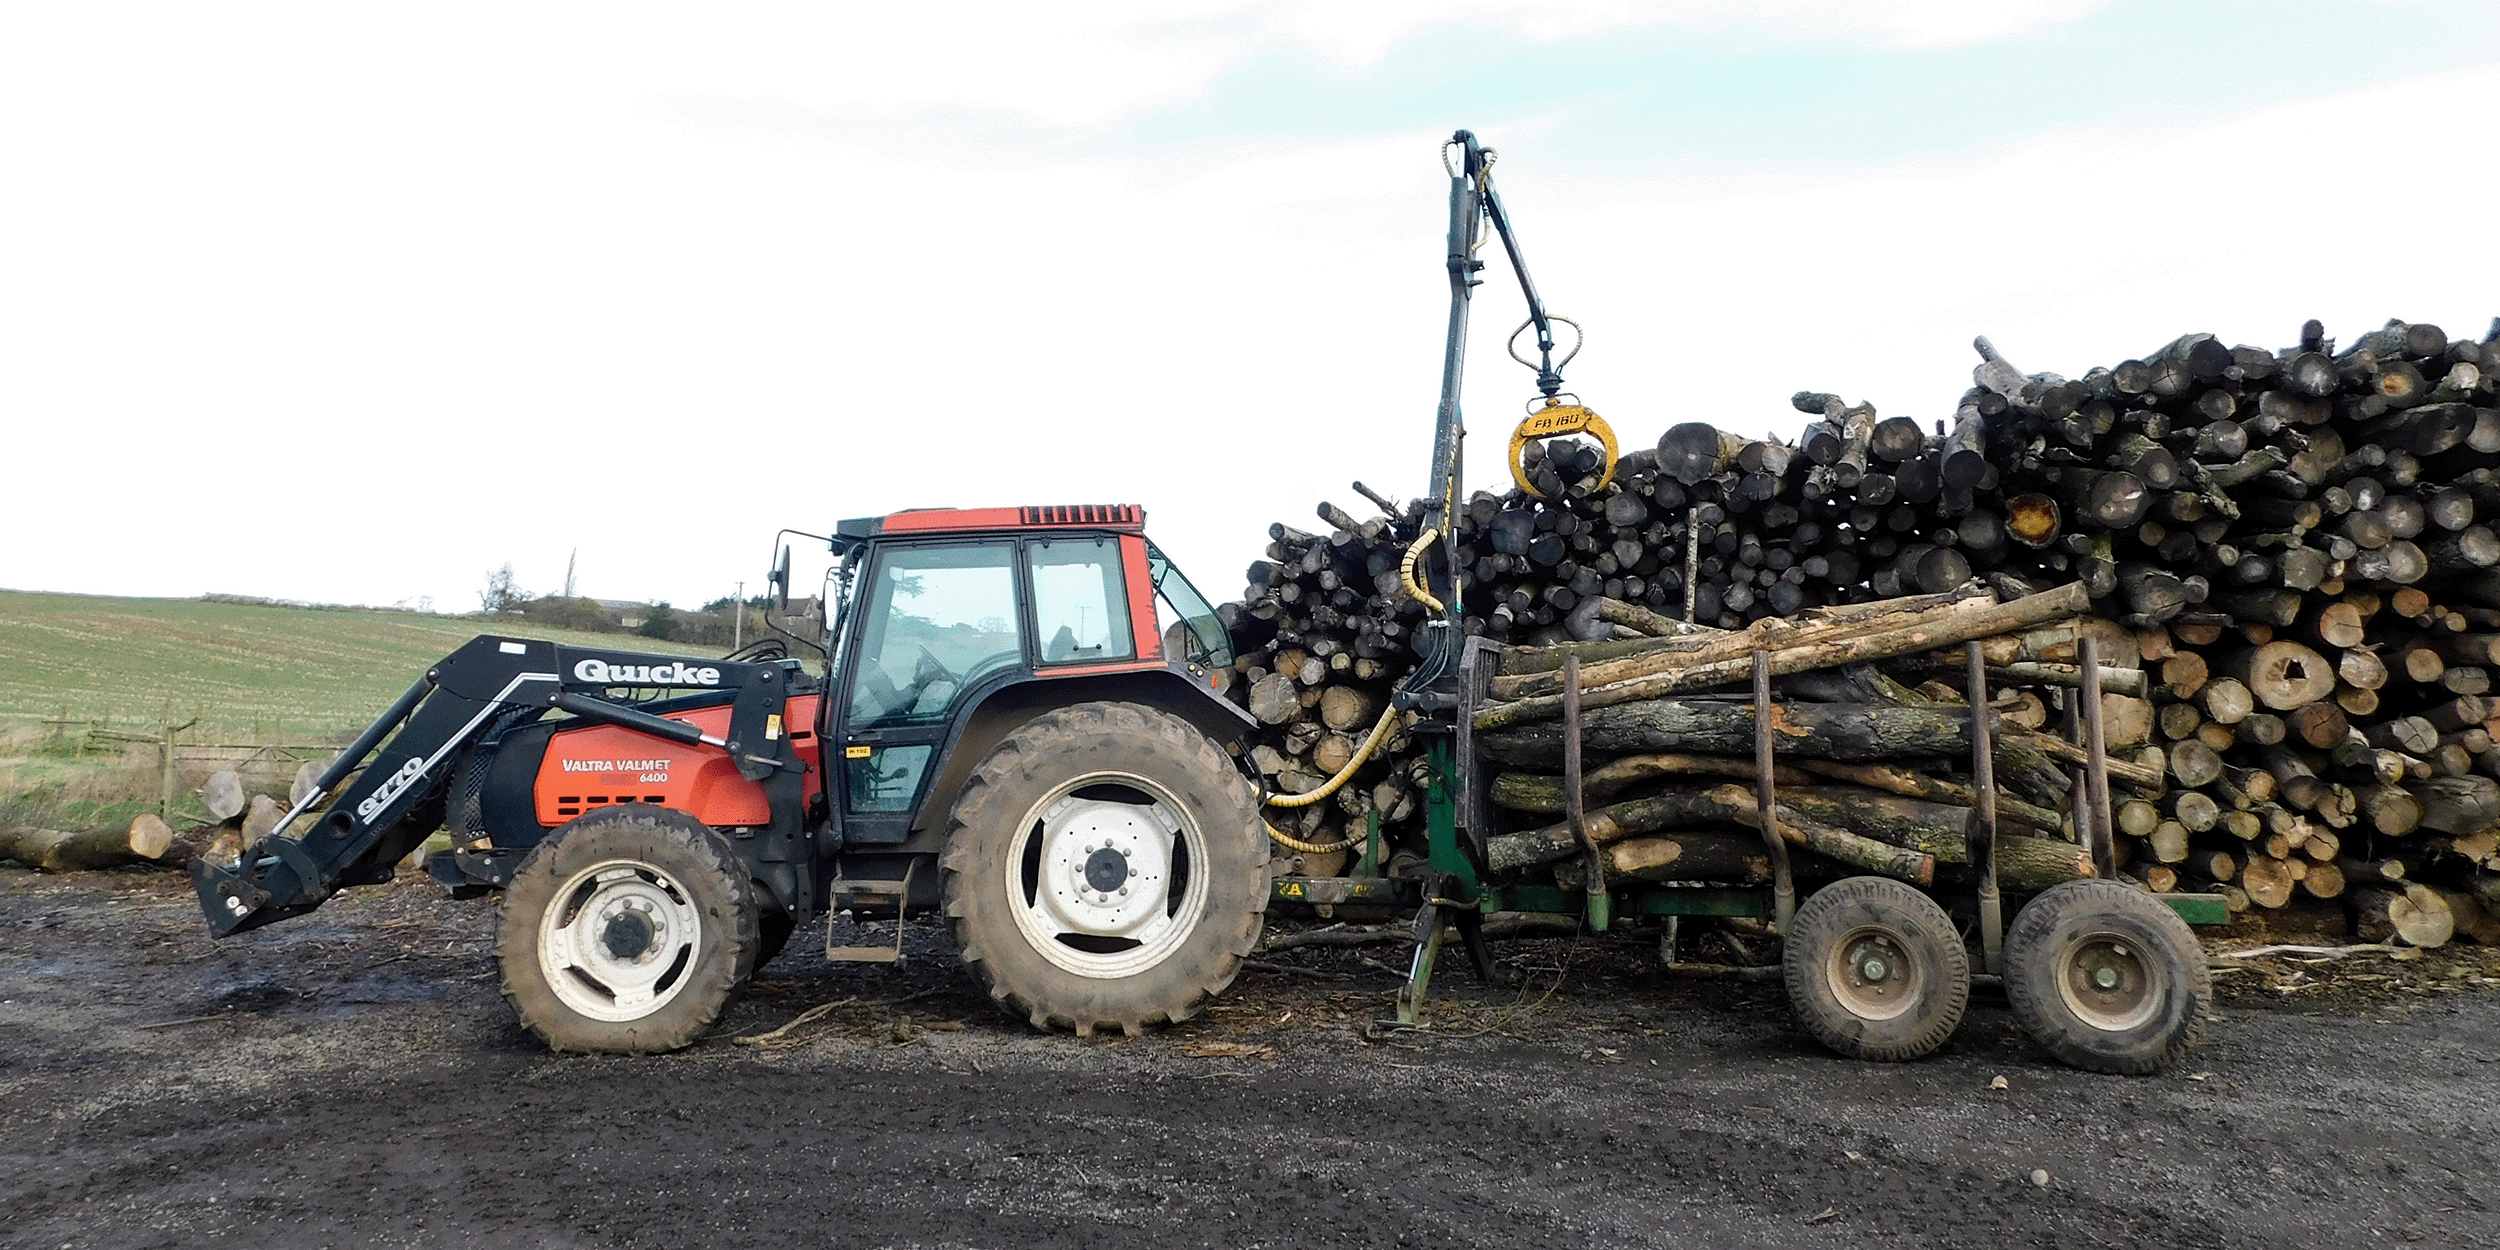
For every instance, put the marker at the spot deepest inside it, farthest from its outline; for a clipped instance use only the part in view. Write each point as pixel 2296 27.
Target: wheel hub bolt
pixel 629 933
pixel 1106 870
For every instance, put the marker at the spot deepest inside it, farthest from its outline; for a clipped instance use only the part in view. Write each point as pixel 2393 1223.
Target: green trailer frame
pixel 1454 892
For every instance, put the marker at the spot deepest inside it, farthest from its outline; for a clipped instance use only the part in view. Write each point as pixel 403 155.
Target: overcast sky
pixel 354 303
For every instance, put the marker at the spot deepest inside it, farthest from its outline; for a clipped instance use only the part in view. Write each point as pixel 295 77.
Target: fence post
pixel 165 754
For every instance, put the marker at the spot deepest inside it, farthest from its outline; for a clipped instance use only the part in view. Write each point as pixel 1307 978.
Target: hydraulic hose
pixel 1380 732
pixel 1371 744
pixel 1406 570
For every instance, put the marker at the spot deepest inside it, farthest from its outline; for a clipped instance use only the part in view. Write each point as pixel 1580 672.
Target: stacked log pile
pixel 2293 551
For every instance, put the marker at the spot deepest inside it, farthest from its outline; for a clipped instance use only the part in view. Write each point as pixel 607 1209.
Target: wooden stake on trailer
pixel 1783 887
pixel 2096 763
pixel 1599 903
pixel 1983 817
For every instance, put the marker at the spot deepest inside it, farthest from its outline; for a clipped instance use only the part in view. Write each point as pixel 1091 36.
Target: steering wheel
pixel 929 671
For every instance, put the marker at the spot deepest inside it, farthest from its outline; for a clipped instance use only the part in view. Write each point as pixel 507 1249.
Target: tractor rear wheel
pixel 626 931
pixel 2106 978
pixel 773 927
pixel 1105 868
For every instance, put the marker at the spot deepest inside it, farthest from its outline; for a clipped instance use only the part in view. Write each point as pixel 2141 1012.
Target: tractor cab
pixel 943 614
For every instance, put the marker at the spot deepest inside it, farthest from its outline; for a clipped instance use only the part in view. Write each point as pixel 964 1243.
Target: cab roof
pixel 1123 517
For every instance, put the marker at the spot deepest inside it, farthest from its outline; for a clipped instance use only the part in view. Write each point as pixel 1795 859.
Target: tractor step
pixel 844 890
pixel 865 954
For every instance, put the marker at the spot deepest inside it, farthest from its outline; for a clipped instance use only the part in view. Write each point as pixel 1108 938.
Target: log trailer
pixel 2101 974
pixel 1019 720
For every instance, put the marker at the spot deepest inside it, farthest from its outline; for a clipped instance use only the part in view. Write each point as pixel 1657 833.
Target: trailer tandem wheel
pixel 1876 970
pixel 1105 867
pixel 626 931
pixel 2106 978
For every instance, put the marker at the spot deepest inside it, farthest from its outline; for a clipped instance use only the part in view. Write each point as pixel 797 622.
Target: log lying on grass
pixel 145 839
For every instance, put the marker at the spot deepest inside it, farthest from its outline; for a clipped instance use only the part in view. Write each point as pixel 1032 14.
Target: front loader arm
pixel 383 794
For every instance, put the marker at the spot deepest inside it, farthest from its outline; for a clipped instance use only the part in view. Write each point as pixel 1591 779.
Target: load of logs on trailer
pixel 2288 562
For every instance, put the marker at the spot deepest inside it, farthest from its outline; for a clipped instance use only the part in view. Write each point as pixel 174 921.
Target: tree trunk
pixel 2458 805
pixel 2283 674
pixel 223 795
pixel 1843 731
pixel 1348 708
pixel 1722 857
pixel 55 850
pixel 2412 913
pixel 1793 649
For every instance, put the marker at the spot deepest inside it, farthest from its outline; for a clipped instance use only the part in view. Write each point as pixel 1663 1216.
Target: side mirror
pixel 780 579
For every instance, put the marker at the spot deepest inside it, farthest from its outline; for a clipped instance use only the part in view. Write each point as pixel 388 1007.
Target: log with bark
pixel 145 839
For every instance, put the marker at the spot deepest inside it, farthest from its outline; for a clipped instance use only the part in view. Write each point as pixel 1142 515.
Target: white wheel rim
pixel 619 941
pixel 2109 982
pixel 1873 975
pixel 1103 887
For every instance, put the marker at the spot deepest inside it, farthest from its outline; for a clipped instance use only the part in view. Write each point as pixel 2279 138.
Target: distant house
pixel 627 612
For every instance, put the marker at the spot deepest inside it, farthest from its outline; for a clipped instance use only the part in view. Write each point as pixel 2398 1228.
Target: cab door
pixel 937 621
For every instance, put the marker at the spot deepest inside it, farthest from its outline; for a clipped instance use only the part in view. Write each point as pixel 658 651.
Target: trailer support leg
pixel 1431 928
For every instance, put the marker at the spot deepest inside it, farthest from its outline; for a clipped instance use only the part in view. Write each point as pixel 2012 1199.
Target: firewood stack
pixel 2296 548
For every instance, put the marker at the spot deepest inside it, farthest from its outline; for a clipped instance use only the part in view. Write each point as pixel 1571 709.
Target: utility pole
pixel 568 571
pixel 738 632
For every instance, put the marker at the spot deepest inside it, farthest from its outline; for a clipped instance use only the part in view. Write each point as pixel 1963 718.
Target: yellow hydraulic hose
pixel 1380 732
pixel 1290 842
pixel 1406 570
pixel 1371 743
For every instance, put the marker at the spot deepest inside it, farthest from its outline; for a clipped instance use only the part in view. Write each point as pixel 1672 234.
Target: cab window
pixel 1080 600
pixel 936 619
pixel 1191 629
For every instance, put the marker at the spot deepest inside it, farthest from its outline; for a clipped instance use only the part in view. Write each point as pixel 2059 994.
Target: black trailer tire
pixel 626 932
pixel 2106 978
pixel 1106 867
pixel 1876 970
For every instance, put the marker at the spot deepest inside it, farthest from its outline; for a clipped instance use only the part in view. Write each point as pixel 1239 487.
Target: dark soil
pixel 354 1078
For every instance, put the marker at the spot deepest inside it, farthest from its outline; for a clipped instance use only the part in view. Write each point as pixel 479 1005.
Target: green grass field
pixel 249 672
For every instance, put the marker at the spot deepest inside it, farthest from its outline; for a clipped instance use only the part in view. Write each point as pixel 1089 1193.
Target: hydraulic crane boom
pixel 1475 205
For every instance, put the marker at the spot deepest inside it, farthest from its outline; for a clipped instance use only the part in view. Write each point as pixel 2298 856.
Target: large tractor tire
pixel 2106 978
pixel 626 931
pixel 1105 867
pixel 1876 970
pixel 773 928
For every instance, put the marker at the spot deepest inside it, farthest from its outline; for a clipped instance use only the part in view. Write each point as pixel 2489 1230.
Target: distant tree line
pixel 712 625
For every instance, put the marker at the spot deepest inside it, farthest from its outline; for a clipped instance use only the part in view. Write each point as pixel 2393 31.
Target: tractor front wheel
pixel 626 931
pixel 1105 868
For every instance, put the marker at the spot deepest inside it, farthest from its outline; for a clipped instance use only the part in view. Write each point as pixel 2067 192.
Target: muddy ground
pixel 352 1078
